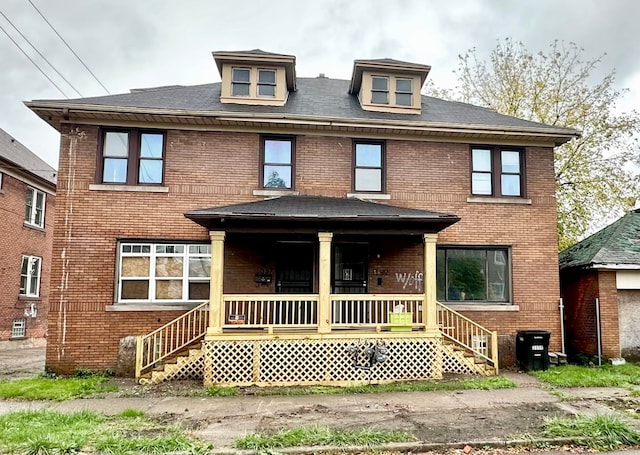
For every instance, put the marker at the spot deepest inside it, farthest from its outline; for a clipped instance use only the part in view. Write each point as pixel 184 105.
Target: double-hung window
pixel 404 92
pixel 368 166
pixel 159 272
pixel 497 171
pixel 132 157
pixel 473 274
pixel 30 276
pixel 34 207
pixel 380 90
pixel 267 83
pixel 277 158
pixel 240 81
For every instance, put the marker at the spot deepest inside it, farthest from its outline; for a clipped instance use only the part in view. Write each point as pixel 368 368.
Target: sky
pixel 147 43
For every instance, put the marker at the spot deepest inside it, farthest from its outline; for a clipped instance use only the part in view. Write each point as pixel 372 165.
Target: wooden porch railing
pixel 270 310
pixel 468 334
pixel 361 310
pixel 171 338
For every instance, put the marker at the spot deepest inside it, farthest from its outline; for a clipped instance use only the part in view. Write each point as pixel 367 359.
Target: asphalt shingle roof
pixel 24 159
pixel 618 243
pixel 318 207
pixel 315 97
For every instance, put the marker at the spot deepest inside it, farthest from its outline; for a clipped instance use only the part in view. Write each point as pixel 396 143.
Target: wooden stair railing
pixel 173 337
pixel 469 335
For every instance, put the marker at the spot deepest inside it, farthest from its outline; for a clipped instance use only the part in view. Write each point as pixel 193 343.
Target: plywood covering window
pixel 153 272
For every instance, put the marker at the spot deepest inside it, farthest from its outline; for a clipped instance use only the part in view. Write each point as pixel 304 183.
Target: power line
pixel 40 54
pixel 69 47
pixel 34 63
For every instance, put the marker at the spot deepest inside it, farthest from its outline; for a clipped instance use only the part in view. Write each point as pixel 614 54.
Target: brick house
pixel 27 207
pixel 600 287
pixel 270 229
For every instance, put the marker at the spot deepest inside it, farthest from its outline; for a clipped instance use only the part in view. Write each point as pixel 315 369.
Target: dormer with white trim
pixel 256 77
pixel 387 85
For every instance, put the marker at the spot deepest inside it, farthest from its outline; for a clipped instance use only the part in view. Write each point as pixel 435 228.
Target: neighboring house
pixel 274 224
pixel 604 267
pixel 27 210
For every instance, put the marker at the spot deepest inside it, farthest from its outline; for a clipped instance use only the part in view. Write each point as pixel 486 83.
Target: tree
pixel 595 174
pixel 275 181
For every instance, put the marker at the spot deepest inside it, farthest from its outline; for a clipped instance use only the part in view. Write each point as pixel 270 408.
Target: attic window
pixel 380 90
pixel 404 92
pixel 240 81
pixel 266 83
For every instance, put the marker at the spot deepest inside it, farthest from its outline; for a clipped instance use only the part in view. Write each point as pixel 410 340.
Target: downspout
pixel 561 306
pixel 598 332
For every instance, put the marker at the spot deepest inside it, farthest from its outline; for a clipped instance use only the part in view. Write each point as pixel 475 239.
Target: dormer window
pixel 256 77
pixel 404 92
pixel 240 81
pixel 387 85
pixel 380 90
pixel 266 83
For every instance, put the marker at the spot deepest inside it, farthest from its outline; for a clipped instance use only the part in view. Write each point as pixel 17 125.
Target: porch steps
pixel 188 364
pixel 459 360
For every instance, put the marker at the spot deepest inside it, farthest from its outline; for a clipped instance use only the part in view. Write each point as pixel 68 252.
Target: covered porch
pixel 324 302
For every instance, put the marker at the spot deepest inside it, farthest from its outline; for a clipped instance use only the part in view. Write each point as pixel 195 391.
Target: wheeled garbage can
pixel 532 349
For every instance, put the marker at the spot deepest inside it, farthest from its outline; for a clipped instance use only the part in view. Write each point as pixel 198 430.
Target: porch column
pixel 216 302
pixel 324 283
pixel 429 309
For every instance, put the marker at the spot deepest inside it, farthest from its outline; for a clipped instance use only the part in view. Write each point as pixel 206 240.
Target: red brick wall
pixel 16 240
pixel 580 289
pixel 206 169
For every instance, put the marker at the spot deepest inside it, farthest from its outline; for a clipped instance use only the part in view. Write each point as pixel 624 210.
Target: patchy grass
pixel 321 436
pixel 47 432
pixel 600 432
pixel 221 391
pixel 489 383
pixel 130 413
pixel 54 388
pixel 591 376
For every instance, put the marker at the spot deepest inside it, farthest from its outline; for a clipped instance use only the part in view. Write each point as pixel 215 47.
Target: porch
pixel 320 324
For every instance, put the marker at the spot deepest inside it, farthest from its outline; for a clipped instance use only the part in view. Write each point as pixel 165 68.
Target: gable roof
pixel 617 245
pixel 24 160
pixel 322 101
pixel 316 212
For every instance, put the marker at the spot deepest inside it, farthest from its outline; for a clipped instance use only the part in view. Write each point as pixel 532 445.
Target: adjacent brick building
pixel 314 189
pixel 27 211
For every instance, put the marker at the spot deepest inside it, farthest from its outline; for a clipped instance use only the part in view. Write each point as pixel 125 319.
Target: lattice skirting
pixel 324 361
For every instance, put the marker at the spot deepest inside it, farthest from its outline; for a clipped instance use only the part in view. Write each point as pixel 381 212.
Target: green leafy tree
pixel 595 174
pixel 275 181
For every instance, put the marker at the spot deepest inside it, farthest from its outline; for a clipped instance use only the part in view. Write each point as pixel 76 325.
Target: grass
pixel 489 383
pixel 47 388
pixel 600 432
pixel 321 436
pixel 591 376
pixel 221 391
pixel 48 432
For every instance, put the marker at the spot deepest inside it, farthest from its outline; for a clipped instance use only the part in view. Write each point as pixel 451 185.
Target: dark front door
pixel 294 268
pixel 350 267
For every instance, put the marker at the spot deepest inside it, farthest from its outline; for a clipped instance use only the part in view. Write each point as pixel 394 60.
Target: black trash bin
pixel 532 349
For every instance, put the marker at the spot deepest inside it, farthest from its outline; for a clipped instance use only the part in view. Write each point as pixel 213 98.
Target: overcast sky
pixel 145 43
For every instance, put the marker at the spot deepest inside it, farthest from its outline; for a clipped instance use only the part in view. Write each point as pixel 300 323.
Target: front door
pixel 294 268
pixel 350 267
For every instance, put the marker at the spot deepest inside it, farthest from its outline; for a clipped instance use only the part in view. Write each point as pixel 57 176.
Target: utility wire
pixel 69 47
pixel 34 63
pixel 40 54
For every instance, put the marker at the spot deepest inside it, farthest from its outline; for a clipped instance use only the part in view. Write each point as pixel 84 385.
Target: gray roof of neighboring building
pixel 618 243
pixel 23 159
pixel 315 97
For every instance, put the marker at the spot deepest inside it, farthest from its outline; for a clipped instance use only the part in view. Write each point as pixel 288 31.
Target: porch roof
pixel 320 213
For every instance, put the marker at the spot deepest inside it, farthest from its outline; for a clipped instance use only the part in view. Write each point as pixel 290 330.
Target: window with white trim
pixel 163 272
pixel 19 328
pixel 473 274
pixel 34 207
pixel 30 276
